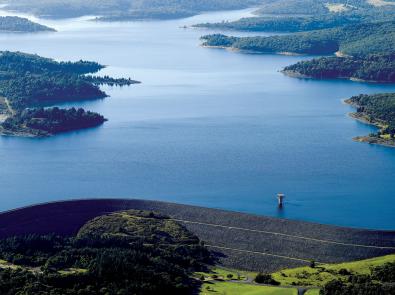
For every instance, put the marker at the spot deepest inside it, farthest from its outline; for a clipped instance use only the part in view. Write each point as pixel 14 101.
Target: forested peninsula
pixel 378 110
pixel 15 24
pixel 359 39
pixel 29 82
pixel 355 39
pixel 364 51
pixel 369 68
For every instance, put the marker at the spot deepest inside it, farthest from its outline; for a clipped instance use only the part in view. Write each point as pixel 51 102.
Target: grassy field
pixel 230 288
pixel 324 273
pixel 225 281
pixel 312 292
pixel 233 282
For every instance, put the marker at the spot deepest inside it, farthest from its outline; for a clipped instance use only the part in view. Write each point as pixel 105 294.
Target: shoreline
pixel 233 49
pixel 365 119
pixel 296 74
pixel 10 133
pixel 39 134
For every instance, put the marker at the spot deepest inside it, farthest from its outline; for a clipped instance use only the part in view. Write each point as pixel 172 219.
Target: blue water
pixel 206 127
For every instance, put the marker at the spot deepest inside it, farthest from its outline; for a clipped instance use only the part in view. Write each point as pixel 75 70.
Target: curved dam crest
pixel 240 240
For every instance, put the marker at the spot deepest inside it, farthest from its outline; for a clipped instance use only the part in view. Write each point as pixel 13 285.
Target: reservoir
pixel 207 127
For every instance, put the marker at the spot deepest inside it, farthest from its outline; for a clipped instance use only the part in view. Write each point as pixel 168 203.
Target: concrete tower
pixel 280 198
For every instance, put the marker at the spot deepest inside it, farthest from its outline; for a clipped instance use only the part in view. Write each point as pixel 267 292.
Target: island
pixel 15 24
pixel 378 110
pixel 30 82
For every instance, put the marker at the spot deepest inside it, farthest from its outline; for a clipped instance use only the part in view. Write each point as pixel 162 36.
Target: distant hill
pixel 18 24
pixel 356 40
pixel 124 9
pixel 302 23
pixel 317 7
pixel 284 24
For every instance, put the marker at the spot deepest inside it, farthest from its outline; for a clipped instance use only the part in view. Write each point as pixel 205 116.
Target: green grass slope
pixel 230 288
pixel 323 274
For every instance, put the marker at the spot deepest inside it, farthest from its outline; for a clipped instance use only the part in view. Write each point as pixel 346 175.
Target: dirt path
pixel 6 110
pixel 10 109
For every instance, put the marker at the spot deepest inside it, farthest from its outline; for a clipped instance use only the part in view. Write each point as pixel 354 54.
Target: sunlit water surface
pixel 206 127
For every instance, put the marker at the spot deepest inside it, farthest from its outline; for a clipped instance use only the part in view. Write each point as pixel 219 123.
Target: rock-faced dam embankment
pixel 241 240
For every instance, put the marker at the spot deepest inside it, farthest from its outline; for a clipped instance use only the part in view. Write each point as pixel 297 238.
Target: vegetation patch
pixel 224 274
pixel 312 292
pixel 133 252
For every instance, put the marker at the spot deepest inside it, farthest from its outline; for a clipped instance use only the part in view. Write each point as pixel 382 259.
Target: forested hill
pixel 147 9
pixel 372 68
pixel 131 252
pixel 121 9
pixel 19 24
pixel 298 23
pixel 285 24
pixel 319 7
pixel 360 39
